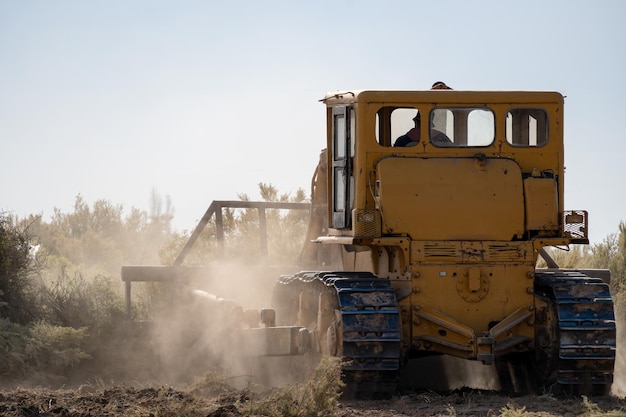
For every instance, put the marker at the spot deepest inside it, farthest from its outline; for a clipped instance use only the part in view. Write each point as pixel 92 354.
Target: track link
pixel 367 330
pixel 581 357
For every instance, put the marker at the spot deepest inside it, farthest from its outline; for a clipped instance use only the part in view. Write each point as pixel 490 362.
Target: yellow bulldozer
pixel 430 211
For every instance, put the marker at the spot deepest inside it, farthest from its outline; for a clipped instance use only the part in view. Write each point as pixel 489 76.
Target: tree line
pixel 61 295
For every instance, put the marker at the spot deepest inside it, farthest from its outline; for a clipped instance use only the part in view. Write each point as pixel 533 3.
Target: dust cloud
pixel 619 383
pixel 202 327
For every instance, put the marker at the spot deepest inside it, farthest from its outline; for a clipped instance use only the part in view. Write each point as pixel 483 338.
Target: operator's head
pixel 440 85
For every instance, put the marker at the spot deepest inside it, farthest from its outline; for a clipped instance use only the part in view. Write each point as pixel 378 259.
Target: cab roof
pixel 441 96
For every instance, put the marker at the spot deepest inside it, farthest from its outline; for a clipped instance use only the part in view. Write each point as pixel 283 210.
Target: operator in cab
pixel 412 137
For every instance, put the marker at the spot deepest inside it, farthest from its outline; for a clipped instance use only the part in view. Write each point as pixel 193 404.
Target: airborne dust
pixel 202 325
pixel 619 383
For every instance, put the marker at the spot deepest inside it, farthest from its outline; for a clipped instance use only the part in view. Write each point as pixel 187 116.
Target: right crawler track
pixel 580 338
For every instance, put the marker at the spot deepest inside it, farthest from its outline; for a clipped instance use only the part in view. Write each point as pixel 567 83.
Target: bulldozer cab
pixel 448 165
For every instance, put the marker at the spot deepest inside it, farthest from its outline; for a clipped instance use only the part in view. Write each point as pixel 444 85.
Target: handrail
pixel 216 209
pixel 132 274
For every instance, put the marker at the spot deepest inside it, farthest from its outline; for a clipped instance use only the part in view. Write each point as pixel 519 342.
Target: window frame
pixel 546 122
pixel 459 131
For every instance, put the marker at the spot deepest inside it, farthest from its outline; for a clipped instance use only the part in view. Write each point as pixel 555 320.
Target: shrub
pixel 74 301
pixel 18 265
pixel 40 350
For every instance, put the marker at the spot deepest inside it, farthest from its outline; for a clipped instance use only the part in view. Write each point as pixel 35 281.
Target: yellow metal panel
pixel 473 280
pixel 447 288
pixel 541 204
pixel 462 300
pixel 451 198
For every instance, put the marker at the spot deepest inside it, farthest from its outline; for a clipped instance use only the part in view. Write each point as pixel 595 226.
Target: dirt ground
pixel 167 401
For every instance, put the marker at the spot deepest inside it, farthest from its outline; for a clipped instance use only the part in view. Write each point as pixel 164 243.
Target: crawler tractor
pixel 432 248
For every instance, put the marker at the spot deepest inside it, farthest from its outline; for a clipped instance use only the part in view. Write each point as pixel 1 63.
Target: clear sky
pixel 202 100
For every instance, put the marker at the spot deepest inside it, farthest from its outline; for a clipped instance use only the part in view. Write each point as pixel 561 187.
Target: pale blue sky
pixel 202 100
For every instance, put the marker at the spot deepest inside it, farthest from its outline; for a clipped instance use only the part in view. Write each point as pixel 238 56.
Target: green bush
pixel 75 301
pixel 18 269
pixel 39 350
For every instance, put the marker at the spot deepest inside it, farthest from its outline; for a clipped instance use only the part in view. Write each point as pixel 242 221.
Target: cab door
pixel 343 125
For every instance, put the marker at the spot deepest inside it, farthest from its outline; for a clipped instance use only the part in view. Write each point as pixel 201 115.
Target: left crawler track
pixel 363 329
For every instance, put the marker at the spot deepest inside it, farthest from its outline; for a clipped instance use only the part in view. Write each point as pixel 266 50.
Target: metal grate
pixel 575 225
pixel 503 252
pixel 438 251
pixel 366 223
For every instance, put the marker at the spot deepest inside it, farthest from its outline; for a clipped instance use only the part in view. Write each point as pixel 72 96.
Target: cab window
pixel 461 127
pixel 396 125
pixel 527 127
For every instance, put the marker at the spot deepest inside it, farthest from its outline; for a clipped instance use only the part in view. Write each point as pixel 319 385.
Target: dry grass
pixel 318 396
